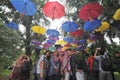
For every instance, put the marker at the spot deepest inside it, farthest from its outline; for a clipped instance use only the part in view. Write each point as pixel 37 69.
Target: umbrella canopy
pixel 38 29
pixel 12 25
pixel 36 42
pixel 68 45
pixel 90 11
pixel 53 10
pixel 53 38
pixel 69 26
pixel 103 27
pixel 25 7
pixel 52 32
pixel 116 16
pixel 51 41
pixel 92 25
pixel 46 45
pixel 82 41
pixel 75 42
pixel 77 33
pixel 61 42
pixel 68 39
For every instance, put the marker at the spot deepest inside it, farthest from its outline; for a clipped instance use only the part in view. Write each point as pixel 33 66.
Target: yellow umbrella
pixel 62 42
pixel 38 29
pixel 105 25
pixel 116 16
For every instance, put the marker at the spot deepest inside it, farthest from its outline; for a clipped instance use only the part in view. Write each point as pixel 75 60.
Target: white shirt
pixel 38 64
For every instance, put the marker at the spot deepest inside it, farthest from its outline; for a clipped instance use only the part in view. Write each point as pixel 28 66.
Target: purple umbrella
pixel 53 38
pixel 36 42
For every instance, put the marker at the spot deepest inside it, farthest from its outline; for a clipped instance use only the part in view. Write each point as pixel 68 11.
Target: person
pixel 54 69
pixel 65 68
pixel 43 66
pixel 26 67
pixel 103 75
pixel 17 69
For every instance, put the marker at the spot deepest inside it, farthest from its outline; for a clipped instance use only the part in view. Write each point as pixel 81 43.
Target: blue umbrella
pixel 69 26
pixel 92 25
pixel 68 39
pixel 12 25
pixel 82 41
pixel 51 41
pixel 25 7
pixel 52 32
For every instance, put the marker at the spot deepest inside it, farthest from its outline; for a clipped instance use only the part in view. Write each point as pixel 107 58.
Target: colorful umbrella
pixel 25 7
pixel 51 41
pixel 68 39
pixel 75 42
pixel 77 33
pixel 82 41
pixel 68 45
pixel 36 42
pixel 52 32
pixel 90 11
pixel 53 10
pixel 12 25
pixel 52 48
pixel 116 16
pixel 46 45
pixel 69 26
pixel 103 27
pixel 61 42
pixel 92 25
pixel 38 29
pixel 53 38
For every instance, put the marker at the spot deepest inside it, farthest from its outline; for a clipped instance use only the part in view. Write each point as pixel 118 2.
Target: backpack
pixel 26 66
pixel 106 63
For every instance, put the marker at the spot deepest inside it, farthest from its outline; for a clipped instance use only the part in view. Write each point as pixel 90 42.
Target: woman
pixel 17 69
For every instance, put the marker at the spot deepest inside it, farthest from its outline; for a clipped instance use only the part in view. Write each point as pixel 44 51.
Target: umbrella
pixel 52 32
pixel 68 45
pixel 116 16
pixel 90 11
pixel 51 41
pixel 68 39
pixel 52 48
pixel 75 41
pixel 77 33
pixel 82 41
pixel 69 26
pixel 25 7
pixel 53 10
pixel 103 27
pixel 61 42
pixel 38 29
pixel 92 25
pixel 12 25
pixel 53 38
pixel 36 42
pixel 46 45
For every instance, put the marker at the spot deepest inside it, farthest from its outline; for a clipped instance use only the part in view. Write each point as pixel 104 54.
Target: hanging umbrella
pixel 53 38
pixel 46 45
pixel 51 41
pixel 53 10
pixel 68 39
pixel 61 42
pixel 75 41
pixel 36 42
pixel 68 45
pixel 90 11
pixel 103 27
pixel 38 29
pixel 82 41
pixel 12 25
pixel 116 15
pixel 77 33
pixel 92 25
pixel 69 26
pixel 25 7
pixel 52 32
pixel 52 48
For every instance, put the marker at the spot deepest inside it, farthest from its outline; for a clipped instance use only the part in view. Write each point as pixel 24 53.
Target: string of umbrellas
pixel 88 13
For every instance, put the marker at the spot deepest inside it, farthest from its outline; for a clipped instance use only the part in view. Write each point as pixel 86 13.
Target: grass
pixel 117 75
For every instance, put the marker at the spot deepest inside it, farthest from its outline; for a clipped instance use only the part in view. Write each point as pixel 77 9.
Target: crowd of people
pixel 70 64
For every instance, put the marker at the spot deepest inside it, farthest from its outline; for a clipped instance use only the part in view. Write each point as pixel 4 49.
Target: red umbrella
pixel 54 10
pixel 77 33
pixel 90 11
